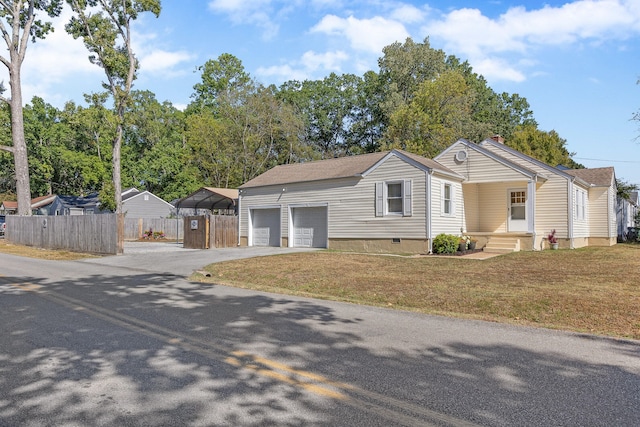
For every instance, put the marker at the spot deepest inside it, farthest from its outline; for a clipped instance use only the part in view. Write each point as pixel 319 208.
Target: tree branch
pixel 6 148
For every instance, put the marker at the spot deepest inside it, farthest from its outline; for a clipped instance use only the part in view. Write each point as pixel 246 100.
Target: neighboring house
pixel 39 205
pixel 75 205
pixel 398 202
pixel 513 201
pixel 381 202
pixel 627 209
pixel 144 204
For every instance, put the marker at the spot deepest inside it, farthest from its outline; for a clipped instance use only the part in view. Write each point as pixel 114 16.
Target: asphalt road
pixel 128 341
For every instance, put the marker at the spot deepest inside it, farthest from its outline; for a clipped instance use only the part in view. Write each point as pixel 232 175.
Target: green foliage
pixel 547 147
pixel 438 115
pixel 445 243
pixel 624 189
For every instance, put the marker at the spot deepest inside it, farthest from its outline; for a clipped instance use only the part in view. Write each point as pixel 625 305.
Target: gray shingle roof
pixel 341 167
pixel 600 177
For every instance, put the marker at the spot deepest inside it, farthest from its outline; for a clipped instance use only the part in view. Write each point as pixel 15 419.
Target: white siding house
pixel 520 200
pixel 375 202
pixel 396 201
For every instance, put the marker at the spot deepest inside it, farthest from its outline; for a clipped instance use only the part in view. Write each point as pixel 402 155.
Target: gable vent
pixel 461 156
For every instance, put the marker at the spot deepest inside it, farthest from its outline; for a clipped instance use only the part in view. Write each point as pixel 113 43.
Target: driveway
pixel 172 258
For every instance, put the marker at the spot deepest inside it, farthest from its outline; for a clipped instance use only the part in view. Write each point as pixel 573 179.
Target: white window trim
pixel 382 199
pixel 452 203
pixel 581 204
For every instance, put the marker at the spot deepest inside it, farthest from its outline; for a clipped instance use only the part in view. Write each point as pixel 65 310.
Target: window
pixel 393 198
pixel 581 204
pixel 447 200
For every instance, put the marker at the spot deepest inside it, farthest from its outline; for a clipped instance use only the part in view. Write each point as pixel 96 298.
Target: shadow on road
pixel 157 350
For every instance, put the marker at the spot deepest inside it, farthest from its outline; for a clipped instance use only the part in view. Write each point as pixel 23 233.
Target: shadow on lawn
pixel 157 350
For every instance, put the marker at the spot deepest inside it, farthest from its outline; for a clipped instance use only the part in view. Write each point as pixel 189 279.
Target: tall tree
pixel 18 24
pixel 107 35
pixel 439 114
pixel 328 107
pixel 547 147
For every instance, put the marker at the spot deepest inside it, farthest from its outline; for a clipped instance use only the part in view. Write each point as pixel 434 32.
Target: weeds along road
pixel 116 341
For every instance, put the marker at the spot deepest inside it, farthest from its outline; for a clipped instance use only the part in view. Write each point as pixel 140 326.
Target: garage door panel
pixel 310 227
pixel 265 227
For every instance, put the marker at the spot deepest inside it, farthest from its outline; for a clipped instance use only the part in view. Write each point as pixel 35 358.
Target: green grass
pixel 595 290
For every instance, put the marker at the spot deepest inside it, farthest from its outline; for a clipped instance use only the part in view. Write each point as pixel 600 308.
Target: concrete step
pixel 502 245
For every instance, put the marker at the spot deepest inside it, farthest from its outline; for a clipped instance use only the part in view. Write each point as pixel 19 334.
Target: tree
pixel 107 35
pixel 439 114
pixel 327 107
pixel 218 76
pixel 18 24
pixel 547 147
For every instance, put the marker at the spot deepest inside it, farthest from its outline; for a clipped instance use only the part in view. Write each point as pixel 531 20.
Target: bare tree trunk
pixel 20 157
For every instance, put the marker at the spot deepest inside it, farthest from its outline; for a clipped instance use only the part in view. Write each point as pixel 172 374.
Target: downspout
pixel 429 208
pixel 532 198
pixel 570 213
pixel 240 218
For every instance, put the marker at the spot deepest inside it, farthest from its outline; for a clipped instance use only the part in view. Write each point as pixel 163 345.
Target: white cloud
pixel 369 35
pixel 158 61
pixel 469 33
pixel 306 66
pixel 254 12
pixel 408 14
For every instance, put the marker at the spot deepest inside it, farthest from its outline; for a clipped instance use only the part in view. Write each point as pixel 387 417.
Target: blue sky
pixel 577 63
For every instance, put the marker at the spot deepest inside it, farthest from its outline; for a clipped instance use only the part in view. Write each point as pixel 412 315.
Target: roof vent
pixel 461 156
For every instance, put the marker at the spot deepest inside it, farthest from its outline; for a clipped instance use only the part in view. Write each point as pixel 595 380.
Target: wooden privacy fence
pixel 210 231
pixel 134 228
pixel 77 233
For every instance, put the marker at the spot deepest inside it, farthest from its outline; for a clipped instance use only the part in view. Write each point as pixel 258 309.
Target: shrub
pixel 445 243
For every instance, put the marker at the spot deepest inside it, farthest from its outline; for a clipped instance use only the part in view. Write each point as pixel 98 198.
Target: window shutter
pixel 379 198
pixel 453 200
pixel 406 198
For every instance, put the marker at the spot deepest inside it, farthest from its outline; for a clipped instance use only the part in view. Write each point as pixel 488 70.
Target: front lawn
pixel 595 290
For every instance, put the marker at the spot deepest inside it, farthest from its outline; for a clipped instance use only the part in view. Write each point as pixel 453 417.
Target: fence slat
pixel 78 233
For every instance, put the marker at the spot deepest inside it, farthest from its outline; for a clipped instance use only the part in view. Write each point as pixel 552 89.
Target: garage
pixel 309 225
pixel 265 227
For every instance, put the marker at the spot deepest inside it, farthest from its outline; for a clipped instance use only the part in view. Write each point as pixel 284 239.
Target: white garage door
pixel 265 227
pixel 310 227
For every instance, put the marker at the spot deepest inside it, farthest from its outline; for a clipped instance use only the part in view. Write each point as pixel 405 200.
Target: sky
pixel 576 62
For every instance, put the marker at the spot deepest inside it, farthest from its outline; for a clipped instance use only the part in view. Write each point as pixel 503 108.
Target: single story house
pixel 75 205
pixel 379 202
pixel 397 201
pixel 39 205
pixel 144 204
pixel 512 201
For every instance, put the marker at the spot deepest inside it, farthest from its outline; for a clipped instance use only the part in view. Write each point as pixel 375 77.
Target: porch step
pixel 501 245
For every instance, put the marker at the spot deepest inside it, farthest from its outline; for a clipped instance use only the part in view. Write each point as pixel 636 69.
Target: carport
pixel 223 201
pixel 210 218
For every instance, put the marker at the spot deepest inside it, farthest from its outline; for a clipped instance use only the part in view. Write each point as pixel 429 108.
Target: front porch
pixel 503 242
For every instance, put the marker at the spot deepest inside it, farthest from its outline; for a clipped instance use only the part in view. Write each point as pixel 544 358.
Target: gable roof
pixel 527 158
pixel 340 167
pixel 496 157
pixel 598 177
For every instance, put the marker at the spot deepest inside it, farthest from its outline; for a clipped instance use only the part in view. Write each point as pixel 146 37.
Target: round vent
pixel 461 156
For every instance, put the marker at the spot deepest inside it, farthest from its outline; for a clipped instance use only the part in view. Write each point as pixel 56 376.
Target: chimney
pixel 498 138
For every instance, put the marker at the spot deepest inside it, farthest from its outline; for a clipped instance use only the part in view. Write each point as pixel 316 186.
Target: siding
pixel 351 203
pixel 479 168
pixel 580 226
pixel 552 208
pixel 598 215
pixel 154 207
pixel 441 223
